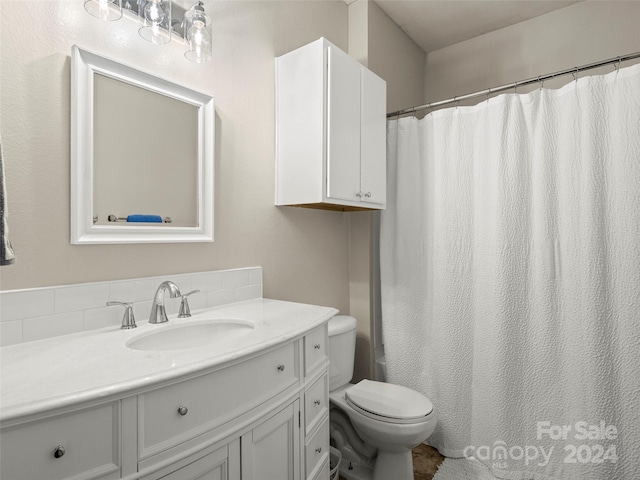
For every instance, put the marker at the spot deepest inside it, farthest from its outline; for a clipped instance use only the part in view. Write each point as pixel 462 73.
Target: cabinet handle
pixel 317 346
pixel 281 368
pixel 317 402
pixel 368 194
pixel 59 451
pixel 359 194
pixel 319 450
pixel 182 410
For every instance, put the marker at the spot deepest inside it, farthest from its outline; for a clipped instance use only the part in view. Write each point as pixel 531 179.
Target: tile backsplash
pixel 34 314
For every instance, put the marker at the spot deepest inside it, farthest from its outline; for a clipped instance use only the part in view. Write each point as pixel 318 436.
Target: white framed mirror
pixel 142 156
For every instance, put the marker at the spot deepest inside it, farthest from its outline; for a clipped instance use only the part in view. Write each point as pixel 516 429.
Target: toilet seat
pixel 388 403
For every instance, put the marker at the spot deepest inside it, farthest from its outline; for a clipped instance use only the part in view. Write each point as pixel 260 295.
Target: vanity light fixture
pixel 158 25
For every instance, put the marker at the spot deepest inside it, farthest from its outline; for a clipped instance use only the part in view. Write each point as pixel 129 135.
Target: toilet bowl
pixel 390 418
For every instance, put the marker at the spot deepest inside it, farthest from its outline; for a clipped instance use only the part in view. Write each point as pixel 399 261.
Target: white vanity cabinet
pixel 330 130
pixel 262 416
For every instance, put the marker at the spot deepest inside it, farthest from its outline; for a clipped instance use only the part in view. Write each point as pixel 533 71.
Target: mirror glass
pixel 142 156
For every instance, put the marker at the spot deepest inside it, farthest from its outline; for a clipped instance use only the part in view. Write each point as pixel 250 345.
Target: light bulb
pixel 199 42
pixel 157 17
pixel 153 13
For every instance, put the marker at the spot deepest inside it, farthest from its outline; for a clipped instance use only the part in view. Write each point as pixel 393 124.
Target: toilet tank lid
pixel 341 324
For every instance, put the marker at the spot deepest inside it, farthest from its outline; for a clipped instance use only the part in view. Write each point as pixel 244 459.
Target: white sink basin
pixel 191 335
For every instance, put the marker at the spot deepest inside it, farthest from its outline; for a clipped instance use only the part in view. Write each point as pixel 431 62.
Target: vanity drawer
pixel 83 444
pixel 317 449
pixel 316 404
pixel 315 349
pixel 173 414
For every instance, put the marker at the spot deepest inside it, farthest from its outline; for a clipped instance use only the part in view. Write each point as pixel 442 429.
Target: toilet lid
pixel 394 402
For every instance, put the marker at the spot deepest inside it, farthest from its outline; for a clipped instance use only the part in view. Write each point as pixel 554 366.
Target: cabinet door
pixel 373 159
pixel 220 464
pixel 272 449
pixel 343 126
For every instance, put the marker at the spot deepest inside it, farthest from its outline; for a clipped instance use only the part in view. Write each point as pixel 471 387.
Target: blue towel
pixel 145 218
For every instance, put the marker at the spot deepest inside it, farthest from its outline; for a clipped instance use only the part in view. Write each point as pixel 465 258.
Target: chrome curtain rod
pixel 540 79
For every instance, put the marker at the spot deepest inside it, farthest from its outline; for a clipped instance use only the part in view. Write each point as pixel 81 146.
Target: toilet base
pixel 356 472
pixel 398 466
pixel 388 465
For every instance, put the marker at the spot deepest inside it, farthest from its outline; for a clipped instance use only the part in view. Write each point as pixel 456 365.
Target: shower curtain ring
pixel 541 82
pixel 488 94
pixel 575 75
pixel 617 64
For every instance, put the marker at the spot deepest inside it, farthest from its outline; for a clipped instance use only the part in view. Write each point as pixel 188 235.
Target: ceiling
pixel 434 24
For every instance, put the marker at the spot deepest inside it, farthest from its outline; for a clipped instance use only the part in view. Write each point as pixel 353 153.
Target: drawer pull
pixel 317 346
pixel 316 402
pixel 59 451
pixel 319 450
pixel 281 368
pixel 183 410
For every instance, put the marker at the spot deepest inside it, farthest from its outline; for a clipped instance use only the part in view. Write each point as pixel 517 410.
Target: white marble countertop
pixel 72 369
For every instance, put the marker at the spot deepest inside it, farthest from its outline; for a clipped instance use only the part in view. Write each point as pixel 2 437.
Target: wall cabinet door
pixel 272 449
pixel 343 137
pixel 356 126
pixel 373 139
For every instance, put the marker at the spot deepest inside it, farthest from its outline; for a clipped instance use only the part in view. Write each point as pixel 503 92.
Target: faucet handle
pixel 184 305
pixel 128 320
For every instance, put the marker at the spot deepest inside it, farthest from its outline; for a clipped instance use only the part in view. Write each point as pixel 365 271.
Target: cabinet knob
pixel 319 450
pixel 317 402
pixel 182 410
pixel 281 368
pixel 359 194
pixel 59 451
pixel 368 194
pixel 317 346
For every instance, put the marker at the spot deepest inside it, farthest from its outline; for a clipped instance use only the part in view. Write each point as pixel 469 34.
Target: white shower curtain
pixel 510 270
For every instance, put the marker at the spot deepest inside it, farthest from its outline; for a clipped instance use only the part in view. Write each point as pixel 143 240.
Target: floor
pixel 426 461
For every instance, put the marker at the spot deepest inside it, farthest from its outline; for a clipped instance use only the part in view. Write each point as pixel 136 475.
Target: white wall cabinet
pixel 262 418
pixel 330 130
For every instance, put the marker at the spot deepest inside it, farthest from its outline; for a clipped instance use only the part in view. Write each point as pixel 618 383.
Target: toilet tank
pixel 342 349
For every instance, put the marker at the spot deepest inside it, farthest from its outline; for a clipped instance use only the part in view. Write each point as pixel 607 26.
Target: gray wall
pixel 582 33
pixel 305 253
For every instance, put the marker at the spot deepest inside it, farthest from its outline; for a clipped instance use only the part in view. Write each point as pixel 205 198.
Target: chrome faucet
pixel 158 313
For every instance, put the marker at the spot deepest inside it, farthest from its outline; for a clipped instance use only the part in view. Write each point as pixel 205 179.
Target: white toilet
pixel 388 418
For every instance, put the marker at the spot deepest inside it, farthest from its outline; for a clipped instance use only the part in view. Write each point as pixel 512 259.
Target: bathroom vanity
pixel 244 397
